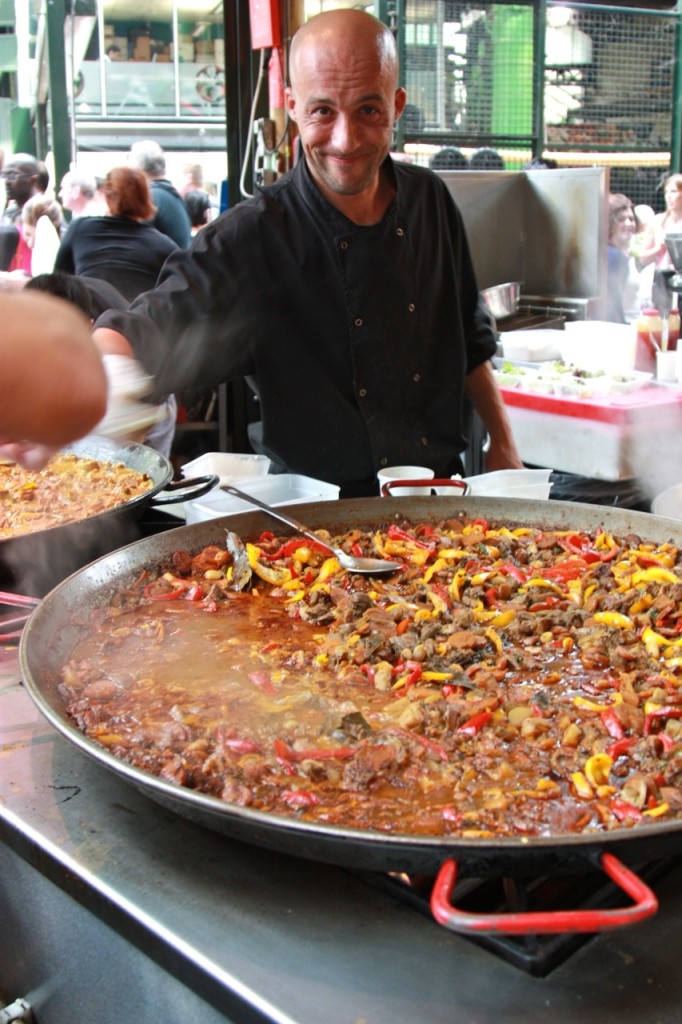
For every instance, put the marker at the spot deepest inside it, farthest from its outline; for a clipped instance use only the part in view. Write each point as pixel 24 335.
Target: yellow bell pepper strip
pixel 656 574
pixel 597 769
pixel 582 787
pixel 616 619
pixel 657 811
pixel 591 705
pixel 271 574
pixel 329 567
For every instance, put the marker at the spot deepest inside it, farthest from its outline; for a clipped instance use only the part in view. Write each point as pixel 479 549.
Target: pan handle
pixel 545 922
pixel 458 485
pixel 186 490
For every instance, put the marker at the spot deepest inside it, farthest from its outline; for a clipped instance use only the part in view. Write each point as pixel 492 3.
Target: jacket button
pixel 383 462
pixel 400 232
pixel 363 392
pixel 343 245
pixel 417 377
pixel 411 307
pixel 425 441
pixel 358 322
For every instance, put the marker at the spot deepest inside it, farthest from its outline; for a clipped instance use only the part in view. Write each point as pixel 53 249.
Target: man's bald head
pixel 333 30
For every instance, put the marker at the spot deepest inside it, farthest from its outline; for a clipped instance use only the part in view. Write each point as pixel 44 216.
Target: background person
pixel 653 248
pixel 345 291
pixel 171 216
pixel 622 277
pixel 43 224
pixel 79 194
pixel 122 247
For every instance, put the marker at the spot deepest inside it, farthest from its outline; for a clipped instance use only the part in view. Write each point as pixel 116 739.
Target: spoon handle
pixel 276 513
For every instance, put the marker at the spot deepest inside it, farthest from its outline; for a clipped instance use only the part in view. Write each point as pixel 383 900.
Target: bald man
pixel 345 292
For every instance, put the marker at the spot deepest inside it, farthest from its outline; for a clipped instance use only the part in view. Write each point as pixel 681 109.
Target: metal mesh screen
pixel 590 85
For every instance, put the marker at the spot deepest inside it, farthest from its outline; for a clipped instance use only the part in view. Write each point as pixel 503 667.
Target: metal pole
pixel 676 135
pixel 59 110
pixel 539 40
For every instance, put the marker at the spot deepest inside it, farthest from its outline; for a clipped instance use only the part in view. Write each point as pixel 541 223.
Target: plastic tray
pixel 278 489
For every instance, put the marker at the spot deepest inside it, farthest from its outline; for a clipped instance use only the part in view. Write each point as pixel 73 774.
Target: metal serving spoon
pixel 368 566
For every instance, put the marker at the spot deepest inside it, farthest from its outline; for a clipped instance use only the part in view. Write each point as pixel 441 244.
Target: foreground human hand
pixel 30 456
pixel 54 388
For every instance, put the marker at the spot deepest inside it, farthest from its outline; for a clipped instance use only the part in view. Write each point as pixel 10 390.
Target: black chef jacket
pixel 358 339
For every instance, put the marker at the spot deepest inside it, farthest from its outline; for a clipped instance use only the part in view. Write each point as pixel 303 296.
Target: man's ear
pixel 290 102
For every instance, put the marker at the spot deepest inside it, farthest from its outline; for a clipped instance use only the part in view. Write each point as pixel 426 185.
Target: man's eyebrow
pixel 374 96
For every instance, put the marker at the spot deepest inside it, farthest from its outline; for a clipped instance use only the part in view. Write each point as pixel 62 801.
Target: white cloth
pixel 45 246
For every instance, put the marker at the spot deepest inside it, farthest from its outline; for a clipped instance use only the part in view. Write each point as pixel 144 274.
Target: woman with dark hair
pixel 198 205
pixel 119 248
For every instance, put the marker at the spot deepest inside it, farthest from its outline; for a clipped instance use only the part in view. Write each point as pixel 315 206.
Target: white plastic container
pixel 229 466
pixel 278 489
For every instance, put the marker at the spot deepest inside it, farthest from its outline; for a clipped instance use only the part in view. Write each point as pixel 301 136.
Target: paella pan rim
pixel 55 623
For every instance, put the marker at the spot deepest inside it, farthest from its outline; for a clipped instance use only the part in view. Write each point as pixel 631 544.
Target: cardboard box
pixel 142 50
pixel 185 52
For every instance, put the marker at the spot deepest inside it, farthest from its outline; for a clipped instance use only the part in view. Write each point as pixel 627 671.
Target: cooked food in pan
pixel 509 681
pixel 68 489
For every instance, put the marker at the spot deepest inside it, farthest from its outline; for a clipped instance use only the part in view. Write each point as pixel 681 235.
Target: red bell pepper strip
pixel 659 715
pixel 620 747
pixel 509 569
pixel 300 798
pixel 283 750
pixel 623 810
pixel 569 569
pixel 241 746
pixel 290 547
pixel 369 671
pixel 395 533
pixel 263 681
pixel 612 724
pixel 475 724
pixel 545 604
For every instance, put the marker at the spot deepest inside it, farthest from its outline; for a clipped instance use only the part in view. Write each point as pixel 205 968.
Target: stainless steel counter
pixel 114 909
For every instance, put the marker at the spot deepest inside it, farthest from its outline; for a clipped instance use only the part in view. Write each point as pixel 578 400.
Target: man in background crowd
pixel 171 216
pixel 78 193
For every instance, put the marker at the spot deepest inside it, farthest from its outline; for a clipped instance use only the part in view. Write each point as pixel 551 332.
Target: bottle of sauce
pixel 649 335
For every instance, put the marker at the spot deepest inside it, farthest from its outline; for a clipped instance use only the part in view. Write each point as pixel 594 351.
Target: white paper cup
pixel 392 473
pixel 666 365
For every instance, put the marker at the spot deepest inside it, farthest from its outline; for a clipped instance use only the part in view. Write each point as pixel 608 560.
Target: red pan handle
pixel 542 922
pixel 395 485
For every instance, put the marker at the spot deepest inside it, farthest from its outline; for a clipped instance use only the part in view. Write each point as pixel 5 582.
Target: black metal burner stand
pixel 537 955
